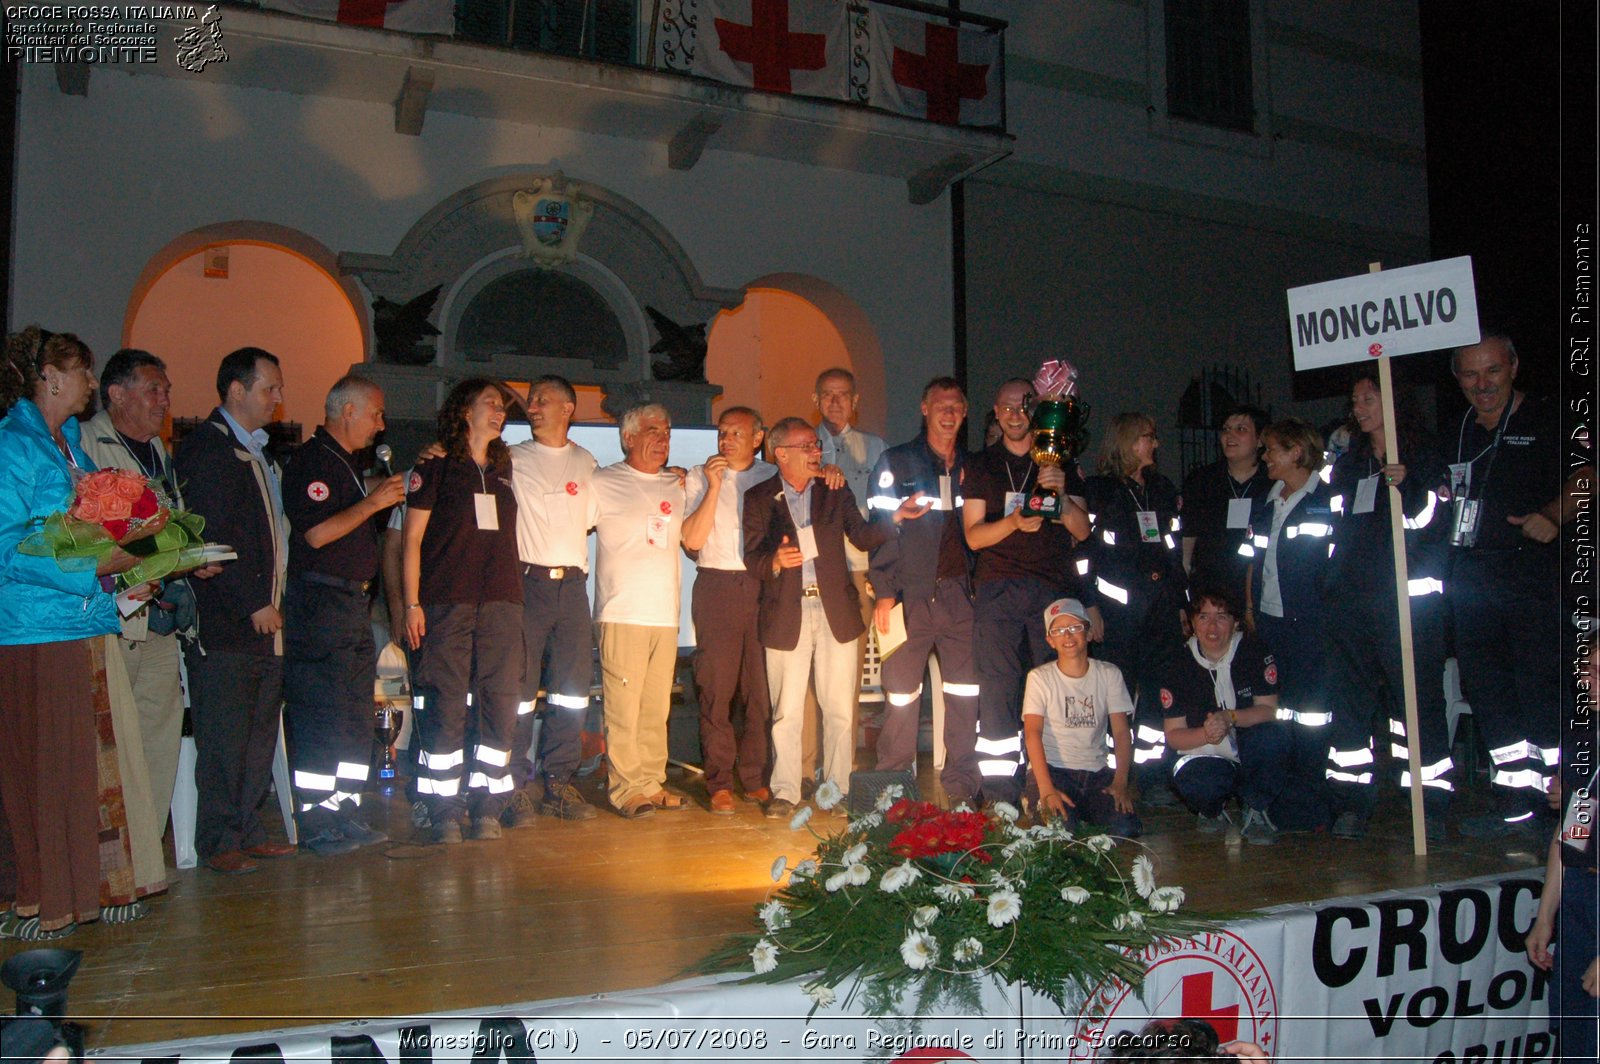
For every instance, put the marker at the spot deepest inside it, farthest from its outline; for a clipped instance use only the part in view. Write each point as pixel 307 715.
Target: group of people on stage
pixel 1235 641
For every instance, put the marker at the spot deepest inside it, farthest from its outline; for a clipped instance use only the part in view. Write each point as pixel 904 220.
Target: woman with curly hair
pixel 53 618
pixel 463 616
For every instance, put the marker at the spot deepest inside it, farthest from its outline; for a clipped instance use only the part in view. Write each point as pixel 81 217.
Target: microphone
pixel 385 455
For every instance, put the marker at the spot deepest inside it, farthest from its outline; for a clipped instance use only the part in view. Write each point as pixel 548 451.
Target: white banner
pixel 1435 974
pixel 792 46
pixel 934 70
pixel 409 16
pixel 1427 307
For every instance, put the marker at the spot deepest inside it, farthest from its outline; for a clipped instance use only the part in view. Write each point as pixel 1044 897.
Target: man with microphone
pixel 330 658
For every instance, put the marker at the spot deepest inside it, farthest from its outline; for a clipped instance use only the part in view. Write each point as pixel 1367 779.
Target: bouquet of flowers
pixel 912 898
pixel 112 507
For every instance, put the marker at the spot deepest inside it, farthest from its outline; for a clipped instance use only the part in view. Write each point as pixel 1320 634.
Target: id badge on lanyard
pixel 1149 526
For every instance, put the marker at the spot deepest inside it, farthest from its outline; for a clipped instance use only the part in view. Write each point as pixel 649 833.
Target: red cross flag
pixel 793 46
pixel 934 70
pixel 408 16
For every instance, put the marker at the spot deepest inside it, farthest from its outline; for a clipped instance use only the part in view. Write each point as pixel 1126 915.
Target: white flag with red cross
pixel 936 71
pixel 792 46
pixel 408 16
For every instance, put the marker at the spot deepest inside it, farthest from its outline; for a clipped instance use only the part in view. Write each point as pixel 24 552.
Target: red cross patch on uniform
pixel 1166 698
pixel 666 507
pixel 413 482
pixel 318 491
pixel 1271 673
pixel 572 487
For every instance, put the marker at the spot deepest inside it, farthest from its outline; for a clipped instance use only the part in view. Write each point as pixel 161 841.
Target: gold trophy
pixel 1060 430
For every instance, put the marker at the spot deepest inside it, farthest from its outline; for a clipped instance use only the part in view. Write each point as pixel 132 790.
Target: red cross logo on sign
pixel 940 74
pixel 768 46
pixel 318 491
pixel 1375 350
pixel 1196 997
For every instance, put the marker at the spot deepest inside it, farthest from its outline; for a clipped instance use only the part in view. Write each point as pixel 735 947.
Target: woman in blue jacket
pixel 1290 535
pixel 49 615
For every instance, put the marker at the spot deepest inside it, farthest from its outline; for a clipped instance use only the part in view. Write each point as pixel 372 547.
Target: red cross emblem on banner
pixel 365 12
pixel 940 74
pixel 317 490
pixel 1197 1006
pixel 768 46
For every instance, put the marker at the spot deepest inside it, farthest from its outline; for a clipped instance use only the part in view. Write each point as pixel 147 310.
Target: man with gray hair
pixel 640 525
pixel 330 660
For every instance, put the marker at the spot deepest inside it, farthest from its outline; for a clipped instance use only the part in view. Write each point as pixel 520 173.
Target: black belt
pixel 358 586
pixel 552 572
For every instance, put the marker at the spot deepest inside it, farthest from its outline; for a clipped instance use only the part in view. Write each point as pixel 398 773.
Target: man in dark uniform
pixel 1508 506
pixel 1217 500
pixel 1024 564
pixel 330 659
pixel 928 568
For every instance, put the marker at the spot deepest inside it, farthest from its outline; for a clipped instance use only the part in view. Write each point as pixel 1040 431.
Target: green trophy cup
pixel 1060 431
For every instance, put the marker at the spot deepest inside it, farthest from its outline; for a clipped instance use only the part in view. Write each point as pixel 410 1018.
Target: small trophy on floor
pixel 386 723
pixel 1060 430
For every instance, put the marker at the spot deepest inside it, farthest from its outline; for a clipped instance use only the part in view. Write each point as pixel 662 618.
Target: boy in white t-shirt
pixel 1066 710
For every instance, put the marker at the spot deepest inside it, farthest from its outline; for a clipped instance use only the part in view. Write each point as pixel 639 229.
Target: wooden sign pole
pixel 1402 596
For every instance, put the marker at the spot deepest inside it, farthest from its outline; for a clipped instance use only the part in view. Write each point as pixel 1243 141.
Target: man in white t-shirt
pixel 1067 708
pixel 555 509
pixel 729 662
pixel 639 527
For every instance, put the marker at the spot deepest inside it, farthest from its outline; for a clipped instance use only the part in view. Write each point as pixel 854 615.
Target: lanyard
pixel 362 488
pixel 1493 447
pixel 1026 476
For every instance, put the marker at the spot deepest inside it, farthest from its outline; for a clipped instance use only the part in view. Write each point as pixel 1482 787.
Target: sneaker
pixel 421 819
pixel 565 802
pixel 329 843
pixel 1212 825
pixel 361 833
pixel 519 811
pixel 1257 829
pixel 1349 825
pixel 447 832
pixel 485 828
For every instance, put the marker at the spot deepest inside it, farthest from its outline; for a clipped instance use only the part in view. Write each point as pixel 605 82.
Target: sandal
pixel 26 928
pixel 639 807
pixel 124 914
pixel 665 799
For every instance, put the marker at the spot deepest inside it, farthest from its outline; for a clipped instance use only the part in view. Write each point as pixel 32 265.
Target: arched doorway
pixel 225 287
pixel 767 352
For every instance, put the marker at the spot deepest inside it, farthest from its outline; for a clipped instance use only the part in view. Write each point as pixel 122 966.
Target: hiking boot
pixel 360 833
pixel 329 843
pixel 519 811
pixel 565 802
pixel 486 828
pixel 421 819
pixel 447 832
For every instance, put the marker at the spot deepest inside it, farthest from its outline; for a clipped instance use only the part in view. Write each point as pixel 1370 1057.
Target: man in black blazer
pixel 795 528
pixel 236 681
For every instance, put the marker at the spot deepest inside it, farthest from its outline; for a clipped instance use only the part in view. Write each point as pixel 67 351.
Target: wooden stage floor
pixel 563 909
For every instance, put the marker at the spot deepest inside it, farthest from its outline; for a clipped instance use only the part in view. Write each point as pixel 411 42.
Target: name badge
pixel 1149 526
pixel 1366 495
pixel 656 529
pixel 1239 513
pixel 488 514
pixel 1014 501
pixel 946 500
pixel 806 539
pixel 1460 478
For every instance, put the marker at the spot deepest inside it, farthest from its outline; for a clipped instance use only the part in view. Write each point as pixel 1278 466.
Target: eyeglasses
pixel 1069 629
pixel 812 446
pixel 1022 408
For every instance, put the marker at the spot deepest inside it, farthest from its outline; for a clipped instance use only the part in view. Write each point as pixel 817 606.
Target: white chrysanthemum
pixel 962 808
pixel 858 874
pixel 1006 811
pixel 954 893
pixel 775 915
pixel 777 868
pixel 1074 895
pixel 854 854
pixel 968 949
pixel 764 957
pixel 923 915
pixel 1099 843
pixel 821 995
pixel 828 795
pixel 802 816
pixel 837 881
pixel 868 822
pixel 1004 907
pixel 919 950
pixel 1021 844
pixel 888 796
pixel 901 875
pixel 1124 921
pixel 806 869
pixel 1144 875
pixel 1166 899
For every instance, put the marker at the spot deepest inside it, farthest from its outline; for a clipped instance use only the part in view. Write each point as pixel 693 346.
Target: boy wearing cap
pixel 1067 708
